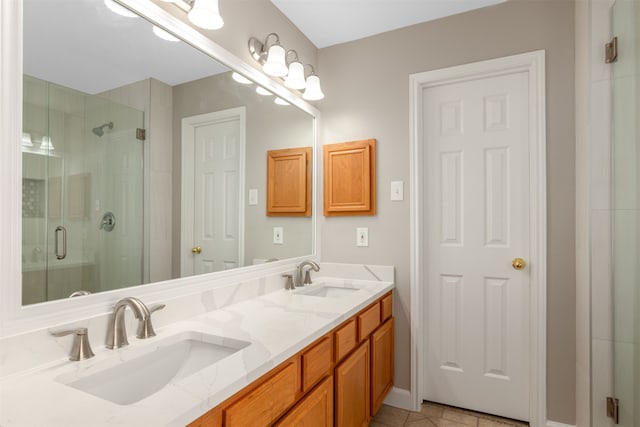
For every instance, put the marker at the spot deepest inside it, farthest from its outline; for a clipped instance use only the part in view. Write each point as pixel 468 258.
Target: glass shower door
pixel 625 217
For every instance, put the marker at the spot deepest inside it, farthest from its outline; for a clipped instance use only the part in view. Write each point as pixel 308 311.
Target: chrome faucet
pixel 117 332
pixel 297 278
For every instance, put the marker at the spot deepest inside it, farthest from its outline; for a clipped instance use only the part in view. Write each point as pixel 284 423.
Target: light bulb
pixel 26 140
pixel 205 14
pixel 240 78
pixel 262 91
pixel 313 91
pixel 46 144
pixel 275 65
pixel 118 9
pixel 164 35
pixel 280 101
pixel 295 78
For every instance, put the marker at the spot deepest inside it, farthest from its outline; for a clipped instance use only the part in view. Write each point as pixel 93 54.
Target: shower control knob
pixel 196 249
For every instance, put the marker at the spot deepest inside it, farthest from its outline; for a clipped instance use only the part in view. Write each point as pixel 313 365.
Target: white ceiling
pixel 330 22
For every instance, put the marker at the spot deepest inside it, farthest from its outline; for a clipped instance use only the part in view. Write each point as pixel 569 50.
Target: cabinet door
pixel 315 410
pixel 352 389
pixel 381 364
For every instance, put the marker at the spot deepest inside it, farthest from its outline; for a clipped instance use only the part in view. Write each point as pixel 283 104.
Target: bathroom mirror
pixel 144 159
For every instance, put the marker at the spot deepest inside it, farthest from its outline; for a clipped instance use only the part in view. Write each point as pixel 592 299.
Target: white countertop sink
pixel 326 291
pixel 174 358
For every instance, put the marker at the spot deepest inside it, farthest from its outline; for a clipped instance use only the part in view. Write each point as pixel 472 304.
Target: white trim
pixel 534 64
pixel 399 398
pixel 14 318
pixel 189 125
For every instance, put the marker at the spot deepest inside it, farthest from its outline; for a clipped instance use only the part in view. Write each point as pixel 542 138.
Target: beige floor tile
pixel 414 416
pixel 431 410
pixel 460 417
pixel 377 424
pixel 422 422
pixel 394 417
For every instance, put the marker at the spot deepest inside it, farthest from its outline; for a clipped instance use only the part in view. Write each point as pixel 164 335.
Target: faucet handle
pixel 289 283
pixel 81 348
pixel 156 308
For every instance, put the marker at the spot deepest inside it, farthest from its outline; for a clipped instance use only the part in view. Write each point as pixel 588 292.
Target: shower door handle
pixel 64 242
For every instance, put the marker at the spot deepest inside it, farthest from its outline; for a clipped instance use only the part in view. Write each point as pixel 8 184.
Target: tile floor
pixel 436 415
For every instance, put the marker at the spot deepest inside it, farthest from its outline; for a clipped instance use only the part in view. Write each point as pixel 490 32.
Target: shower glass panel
pixel 625 84
pixel 82 193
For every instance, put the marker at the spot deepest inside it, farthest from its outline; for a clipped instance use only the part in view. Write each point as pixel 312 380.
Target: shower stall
pixel 82 193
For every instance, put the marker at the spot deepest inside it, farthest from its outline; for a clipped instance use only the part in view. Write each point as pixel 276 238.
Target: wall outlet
pixel 253 197
pixel 362 236
pixel 397 190
pixel 278 238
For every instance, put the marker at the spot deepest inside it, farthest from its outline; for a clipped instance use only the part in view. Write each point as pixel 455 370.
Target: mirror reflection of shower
pixel 100 129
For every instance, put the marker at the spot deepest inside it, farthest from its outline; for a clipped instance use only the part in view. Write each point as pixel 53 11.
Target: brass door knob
pixel 196 249
pixel 518 263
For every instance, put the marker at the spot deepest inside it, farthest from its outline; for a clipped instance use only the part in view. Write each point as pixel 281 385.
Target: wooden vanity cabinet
pixel 340 379
pixel 352 389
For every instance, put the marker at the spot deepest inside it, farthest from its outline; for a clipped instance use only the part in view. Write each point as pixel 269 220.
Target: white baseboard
pixel 400 398
pixel 557 424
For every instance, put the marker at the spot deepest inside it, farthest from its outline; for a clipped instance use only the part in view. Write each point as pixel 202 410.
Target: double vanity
pixel 270 356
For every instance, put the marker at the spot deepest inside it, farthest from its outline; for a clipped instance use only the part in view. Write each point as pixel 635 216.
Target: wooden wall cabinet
pixel 350 178
pixel 289 182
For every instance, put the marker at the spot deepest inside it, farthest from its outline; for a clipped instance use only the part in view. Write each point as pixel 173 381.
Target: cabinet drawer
pixel 386 307
pixel 368 321
pixel 346 339
pixel 316 363
pixel 268 401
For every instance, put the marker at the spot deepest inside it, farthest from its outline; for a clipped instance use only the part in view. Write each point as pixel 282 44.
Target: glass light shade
pixel 280 101
pixel 120 10
pixel 262 91
pixel 164 35
pixel 46 144
pixel 240 78
pixel 26 140
pixel 275 65
pixel 313 91
pixel 205 14
pixel 295 78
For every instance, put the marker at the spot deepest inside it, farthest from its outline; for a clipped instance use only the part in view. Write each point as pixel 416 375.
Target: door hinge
pixel 611 51
pixel 141 134
pixel 613 409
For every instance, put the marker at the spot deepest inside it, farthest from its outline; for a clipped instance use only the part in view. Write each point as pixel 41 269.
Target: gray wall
pixel 268 127
pixel 366 84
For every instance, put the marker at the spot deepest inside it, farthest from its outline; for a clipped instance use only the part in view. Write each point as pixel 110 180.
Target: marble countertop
pixel 277 325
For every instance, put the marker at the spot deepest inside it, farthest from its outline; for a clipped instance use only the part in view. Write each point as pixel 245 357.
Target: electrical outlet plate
pixel 362 236
pixel 278 238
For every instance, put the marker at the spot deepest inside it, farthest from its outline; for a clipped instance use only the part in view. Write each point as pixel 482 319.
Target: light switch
pixel 362 236
pixel 278 238
pixel 253 196
pixel 397 190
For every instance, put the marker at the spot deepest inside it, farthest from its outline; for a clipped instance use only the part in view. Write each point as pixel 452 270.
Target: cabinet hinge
pixel 141 134
pixel 613 409
pixel 611 51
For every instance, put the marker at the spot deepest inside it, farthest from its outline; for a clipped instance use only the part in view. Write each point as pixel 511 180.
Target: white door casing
pixel 478 201
pixel 213 157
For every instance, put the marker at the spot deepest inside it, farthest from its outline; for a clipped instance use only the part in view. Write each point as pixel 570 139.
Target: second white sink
pixel 175 358
pixel 326 291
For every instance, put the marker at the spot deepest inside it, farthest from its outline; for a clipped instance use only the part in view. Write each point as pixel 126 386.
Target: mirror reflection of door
pixel 212 224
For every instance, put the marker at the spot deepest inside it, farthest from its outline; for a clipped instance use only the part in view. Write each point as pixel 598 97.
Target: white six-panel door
pixel 213 171
pixel 476 169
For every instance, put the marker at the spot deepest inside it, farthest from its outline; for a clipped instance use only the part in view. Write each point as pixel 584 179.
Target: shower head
pixel 100 129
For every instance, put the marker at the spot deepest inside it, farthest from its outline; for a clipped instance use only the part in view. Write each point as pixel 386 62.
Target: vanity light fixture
pixel 240 78
pixel 26 140
pixel 119 9
pixel 274 61
pixel 164 35
pixel 313 91
pixel 202 13
pixel 46 144
pixel 262 91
